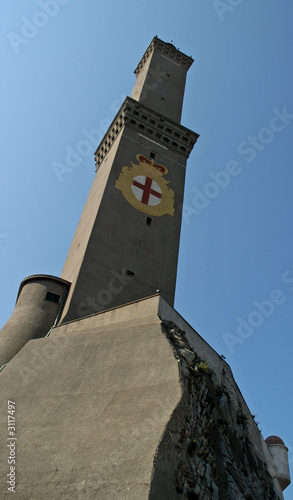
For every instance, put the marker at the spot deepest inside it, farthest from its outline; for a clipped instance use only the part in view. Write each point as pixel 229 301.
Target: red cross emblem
pixel 146 190
pixel 145 187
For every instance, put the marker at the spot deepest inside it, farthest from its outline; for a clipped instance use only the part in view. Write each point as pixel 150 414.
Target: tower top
pixel 167 49
pixel 160 79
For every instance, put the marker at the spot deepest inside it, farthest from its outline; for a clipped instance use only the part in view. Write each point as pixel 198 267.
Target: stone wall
pixel 206 452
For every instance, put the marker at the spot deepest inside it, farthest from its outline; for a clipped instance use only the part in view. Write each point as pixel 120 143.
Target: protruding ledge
pixel 148 122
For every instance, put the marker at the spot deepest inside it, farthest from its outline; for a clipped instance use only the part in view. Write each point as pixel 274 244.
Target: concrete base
pixel 93 403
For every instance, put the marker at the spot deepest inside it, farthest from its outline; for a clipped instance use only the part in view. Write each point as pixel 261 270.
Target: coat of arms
pixel 145 188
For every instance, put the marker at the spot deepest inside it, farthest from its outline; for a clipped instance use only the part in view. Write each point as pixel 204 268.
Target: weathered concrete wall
pixel 90 416
pixel 119 405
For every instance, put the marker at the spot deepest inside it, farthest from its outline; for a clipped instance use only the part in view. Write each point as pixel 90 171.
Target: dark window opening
pixel 129 273
pixel 149 221
pixel 52 297
pixel 152 155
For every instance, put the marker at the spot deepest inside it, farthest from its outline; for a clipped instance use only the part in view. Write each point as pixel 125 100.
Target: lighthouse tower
pixel 126 244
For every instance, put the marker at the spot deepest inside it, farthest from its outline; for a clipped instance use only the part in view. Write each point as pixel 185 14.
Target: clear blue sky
pixel 69 74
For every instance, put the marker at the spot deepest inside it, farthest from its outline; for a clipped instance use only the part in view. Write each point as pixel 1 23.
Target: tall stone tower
pixel 110 393
pixel 126 243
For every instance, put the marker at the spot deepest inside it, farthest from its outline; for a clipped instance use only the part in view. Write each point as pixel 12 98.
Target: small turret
pixel 39 304
pixel 279 452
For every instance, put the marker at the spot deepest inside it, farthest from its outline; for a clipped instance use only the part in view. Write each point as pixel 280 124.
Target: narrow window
pixel 149 221
pixel 52 297
pixel 152 155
